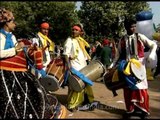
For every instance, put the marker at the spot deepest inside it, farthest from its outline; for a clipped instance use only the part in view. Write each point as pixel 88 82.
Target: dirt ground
pixel 112 107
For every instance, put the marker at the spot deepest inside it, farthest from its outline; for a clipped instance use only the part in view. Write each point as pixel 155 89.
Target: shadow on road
pixel 110 109
pixel 61 98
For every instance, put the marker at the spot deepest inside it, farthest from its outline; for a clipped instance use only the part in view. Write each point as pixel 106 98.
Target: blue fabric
pixel 121 65
pixel 66 75
pixel 130 80
pixel 82 76
pixel 42 72
pixel 9 42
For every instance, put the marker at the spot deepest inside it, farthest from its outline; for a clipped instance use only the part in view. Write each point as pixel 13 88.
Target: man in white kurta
pixel 80 61
pixel 75 57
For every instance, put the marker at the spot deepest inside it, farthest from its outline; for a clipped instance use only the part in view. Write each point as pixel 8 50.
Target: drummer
pixel 76 57
pixel 21 94
pixel 42 40
pixel 136 100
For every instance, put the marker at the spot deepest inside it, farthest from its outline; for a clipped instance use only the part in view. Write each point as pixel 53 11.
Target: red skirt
pixel 136 98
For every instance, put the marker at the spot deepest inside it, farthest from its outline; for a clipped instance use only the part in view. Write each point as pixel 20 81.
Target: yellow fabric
pixel 156 36
pixel 88 90
pixel 135 62
pixel 149 74
pixel 77 98
pixel 82 44
pixel 44 42
pixel 127 70
pixel 115 77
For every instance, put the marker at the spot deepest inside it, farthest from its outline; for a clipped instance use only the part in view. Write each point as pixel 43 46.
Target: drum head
pixel 138 72
pixel 76 83
pixel 50 83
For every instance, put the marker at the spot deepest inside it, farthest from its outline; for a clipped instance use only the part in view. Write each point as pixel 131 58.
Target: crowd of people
pixel 21 85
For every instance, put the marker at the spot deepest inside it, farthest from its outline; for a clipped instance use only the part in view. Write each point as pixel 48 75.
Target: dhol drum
pixel 55 75
pixel 92 71
pixel 139 73
pixel 76 83
pixel 113 85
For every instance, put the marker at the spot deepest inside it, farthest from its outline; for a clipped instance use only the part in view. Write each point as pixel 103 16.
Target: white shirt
pixel 8 52
pixel 80 61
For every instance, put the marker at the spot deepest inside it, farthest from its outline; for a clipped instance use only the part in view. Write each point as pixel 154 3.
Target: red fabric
pixel 16 63
pixel 76 28
pixel 93 49
pixel 45 25
pixel 140 47
pixel 19 63
pixel 38 58
pixel 141 98
pixel 106 42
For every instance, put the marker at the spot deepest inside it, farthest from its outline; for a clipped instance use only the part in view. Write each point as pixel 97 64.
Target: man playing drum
pixel 21 94
pixel 75 56
pixel 42 40
pixel 137 99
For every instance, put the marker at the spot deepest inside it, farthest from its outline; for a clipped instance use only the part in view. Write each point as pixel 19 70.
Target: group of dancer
pixel 23 96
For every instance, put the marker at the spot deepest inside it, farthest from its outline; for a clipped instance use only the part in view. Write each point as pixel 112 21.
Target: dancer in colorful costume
pixel 21 94
pixel 131 49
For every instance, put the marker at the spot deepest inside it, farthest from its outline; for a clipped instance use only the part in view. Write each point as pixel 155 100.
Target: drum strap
pixel 66 75
pixel 81 76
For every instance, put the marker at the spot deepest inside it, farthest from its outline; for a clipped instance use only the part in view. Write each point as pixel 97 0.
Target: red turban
pixel 106 42
pixel 76 28
pixel 45 25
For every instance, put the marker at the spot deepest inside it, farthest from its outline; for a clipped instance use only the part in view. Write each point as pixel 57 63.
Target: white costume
pixel 71 46
pixel 144 41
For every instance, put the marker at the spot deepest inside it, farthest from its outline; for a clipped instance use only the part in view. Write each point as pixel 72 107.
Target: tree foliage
pixel 99 18
pixel 105 18
pixel 28 15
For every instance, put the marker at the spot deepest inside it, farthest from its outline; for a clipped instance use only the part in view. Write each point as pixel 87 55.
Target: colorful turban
pixel 5 15
pixel 45 25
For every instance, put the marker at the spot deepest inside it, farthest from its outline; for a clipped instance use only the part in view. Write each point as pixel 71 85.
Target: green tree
pixel 105 18
pixel 60 15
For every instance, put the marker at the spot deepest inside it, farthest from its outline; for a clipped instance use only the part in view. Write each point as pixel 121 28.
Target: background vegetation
pixel 100 19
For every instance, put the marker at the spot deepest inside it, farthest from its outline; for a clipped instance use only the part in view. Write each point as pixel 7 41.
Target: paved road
pixel 113 107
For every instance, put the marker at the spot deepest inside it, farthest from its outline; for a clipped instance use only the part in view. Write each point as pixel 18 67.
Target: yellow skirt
pixel 77 98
